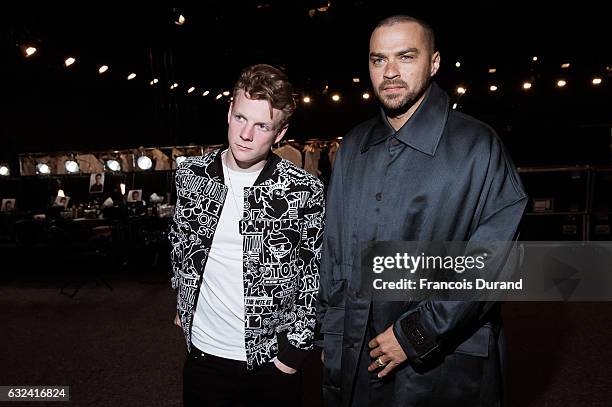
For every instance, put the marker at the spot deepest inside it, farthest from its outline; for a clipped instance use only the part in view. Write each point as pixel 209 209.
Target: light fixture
pixel 454 106
pixel 180 20
pixel 4 171
pixel 113 165
pixel 102 69
pixel 60 193
pixel 526 85
pixel 458 64
pixel 43 168
pixel 69 61
pixel 493 88
pixel 191 89
pixel 596 81
pixel 154 81
pixel 306 99
pixel 180 159
pixel 565 65
pixel 131 76
pixel 122 188
pixel 206 93
pixel 174 86
pixel 561 83
pixel 29 51
pixel 219 96
pixel 461 90
pixel 335 97
pixel 71 166
pixel 365 95
pixel 144 162
pixel 492 70
pixel 356 80
pixel 534 59
pixel 226 93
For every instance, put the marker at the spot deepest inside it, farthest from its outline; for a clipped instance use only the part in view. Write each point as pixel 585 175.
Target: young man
pixel 420 171
pixel 245 250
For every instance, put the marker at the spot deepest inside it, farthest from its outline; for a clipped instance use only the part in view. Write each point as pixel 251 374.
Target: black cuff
pixel 289 354
pixel 417 343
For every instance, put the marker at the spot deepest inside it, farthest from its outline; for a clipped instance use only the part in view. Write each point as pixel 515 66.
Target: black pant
pixel 211 381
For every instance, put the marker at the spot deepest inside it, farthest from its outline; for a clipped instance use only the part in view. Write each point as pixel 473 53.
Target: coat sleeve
pixel 330 251
pixel 300 335
pixel 426 332
pixel 176 237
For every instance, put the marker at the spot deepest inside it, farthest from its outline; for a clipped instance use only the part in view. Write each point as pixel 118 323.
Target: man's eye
pixel 377 61
pixel 406 57
pixel 263 127
pixel 238 117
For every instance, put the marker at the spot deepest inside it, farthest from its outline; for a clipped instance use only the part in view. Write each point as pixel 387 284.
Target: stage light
pixel 534 59
pixel 226 93
pixel 461 90
pixel 365 95
pixel 356 80
pixel 43 168
pixel 131 76
pixel 527 85
pixel 69 61
pixel 60 193
pixel 596 81
pixel 306 99
pixel 30 51
pixel 122 188
pixel 335 97
pixel 206 93
pixel 180 159
pixel 113 165
pixel 180 20
pixel 154 81
pixel 458 64
pixel 492 70
pixel 561 83
pixel 103 69
pixel 144 162
pixel 4 171
pixel 219 96
pixel 191 89
pixel 71 166
pixel 454 106
pixel 565 65
pixel 493 88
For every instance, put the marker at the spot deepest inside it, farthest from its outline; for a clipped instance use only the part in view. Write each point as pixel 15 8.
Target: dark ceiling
pixel 49 107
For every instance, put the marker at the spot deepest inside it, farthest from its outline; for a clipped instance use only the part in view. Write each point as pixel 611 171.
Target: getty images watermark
pixel 486 271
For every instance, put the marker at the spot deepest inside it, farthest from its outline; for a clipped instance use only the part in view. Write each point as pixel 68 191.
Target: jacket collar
pixel 265 173
pixel 422 131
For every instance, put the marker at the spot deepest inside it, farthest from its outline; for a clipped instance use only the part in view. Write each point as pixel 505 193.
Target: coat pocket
pixel 477 344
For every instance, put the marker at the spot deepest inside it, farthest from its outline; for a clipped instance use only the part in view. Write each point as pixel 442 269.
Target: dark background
pixel 47 107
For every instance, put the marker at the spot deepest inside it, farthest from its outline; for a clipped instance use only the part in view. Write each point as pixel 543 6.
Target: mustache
pixel 392 84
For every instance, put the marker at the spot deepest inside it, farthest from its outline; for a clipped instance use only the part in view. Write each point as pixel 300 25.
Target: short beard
pixel 397 106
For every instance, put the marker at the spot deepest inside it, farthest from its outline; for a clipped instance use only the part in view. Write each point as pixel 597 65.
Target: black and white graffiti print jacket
pixel 282 229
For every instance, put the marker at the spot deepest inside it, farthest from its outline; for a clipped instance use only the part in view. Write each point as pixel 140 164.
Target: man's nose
pixel 391 71
pixel 247 133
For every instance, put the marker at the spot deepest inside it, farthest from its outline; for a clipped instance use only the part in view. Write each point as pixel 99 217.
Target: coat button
pixel 379 196
pixel 395 142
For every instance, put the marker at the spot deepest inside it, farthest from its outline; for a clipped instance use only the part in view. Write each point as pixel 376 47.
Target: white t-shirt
pixel 218 323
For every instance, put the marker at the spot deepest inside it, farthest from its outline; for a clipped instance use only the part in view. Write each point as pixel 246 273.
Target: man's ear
pixel 229 112
pixel 435 63
pixel 281 134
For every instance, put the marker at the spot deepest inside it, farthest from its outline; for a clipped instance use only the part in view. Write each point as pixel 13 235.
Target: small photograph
pixel 8 205
pixel 134 195
pixel 61 201
pixel 96 183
